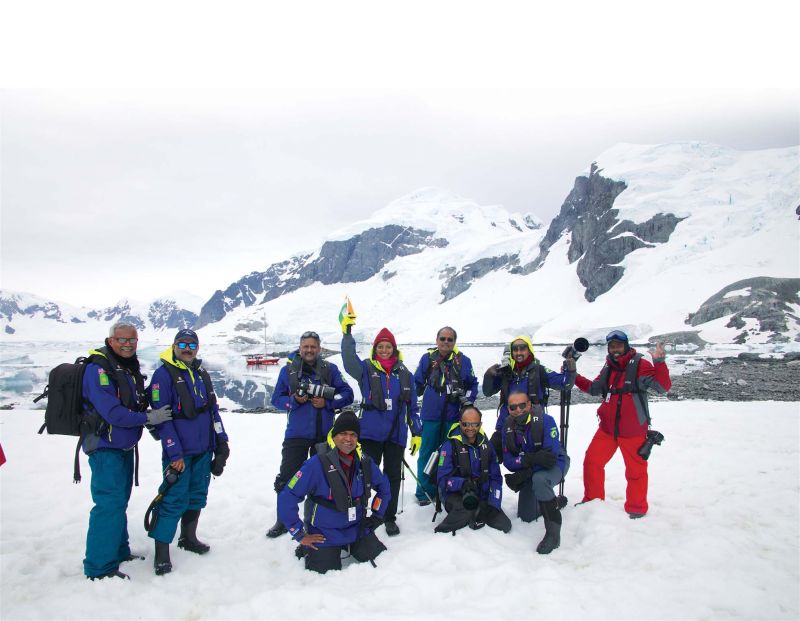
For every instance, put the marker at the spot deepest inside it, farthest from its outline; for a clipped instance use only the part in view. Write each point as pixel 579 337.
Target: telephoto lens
pixel 470 500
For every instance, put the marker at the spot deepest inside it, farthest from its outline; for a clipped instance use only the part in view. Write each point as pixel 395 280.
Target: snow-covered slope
pixel 720 540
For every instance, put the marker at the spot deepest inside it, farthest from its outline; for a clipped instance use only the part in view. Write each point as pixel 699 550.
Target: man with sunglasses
pixel 468 477
pixel 523 372
pixel 624 416
pixel 115 408
pixel 533 454
pixel 445 379
pixel 310 414
pixel 194 443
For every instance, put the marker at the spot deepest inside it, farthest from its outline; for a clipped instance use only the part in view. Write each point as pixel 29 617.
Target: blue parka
pixel 388 425
pixel 302 419
pixel 434 388
pixel 310 481
pixel 525 444
pixel 182 436
pixel 519 382
pixel 447 474
pixel 123 427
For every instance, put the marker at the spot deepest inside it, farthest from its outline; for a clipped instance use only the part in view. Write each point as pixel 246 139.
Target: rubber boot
pixel 162 563
pixel 277 529
pixel 552 527
pixel 188 539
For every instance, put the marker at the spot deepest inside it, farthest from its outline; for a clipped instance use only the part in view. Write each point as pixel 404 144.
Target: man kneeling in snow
pixel 338 481
pixel 469 478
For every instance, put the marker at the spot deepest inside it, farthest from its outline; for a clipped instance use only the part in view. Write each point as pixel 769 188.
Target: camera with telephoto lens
pixel 470 500
pixel 307 389
pixel 653 437
pixel 575 350
pixel 505 361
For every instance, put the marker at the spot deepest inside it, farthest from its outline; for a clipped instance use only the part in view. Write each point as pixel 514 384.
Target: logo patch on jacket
pixel 170 442
pixel 102 377
pixel 297 476
pixel 553 432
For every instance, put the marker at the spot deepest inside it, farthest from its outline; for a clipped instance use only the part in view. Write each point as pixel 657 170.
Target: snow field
pixel 720 542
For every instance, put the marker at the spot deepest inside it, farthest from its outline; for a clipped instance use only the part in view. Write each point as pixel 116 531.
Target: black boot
pixel 162 563
pixel 277 529
pixel 188 539
pixel 552 527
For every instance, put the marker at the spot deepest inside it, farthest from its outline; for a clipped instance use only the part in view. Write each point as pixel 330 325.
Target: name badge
pixel 608 397
pixel 389 405
pixel 351 514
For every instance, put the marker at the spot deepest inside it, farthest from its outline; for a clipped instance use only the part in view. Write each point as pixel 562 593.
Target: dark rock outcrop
pixel 599 241
pixel 352 260
pixel 457 282
pixel 767 300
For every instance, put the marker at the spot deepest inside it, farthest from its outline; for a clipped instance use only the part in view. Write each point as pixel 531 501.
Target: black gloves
pixel 372 522
pixel 220 458
pixel 517 480
pixel 543 458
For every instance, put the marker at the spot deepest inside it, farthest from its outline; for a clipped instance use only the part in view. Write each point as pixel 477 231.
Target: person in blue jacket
pixel 533 454
pixel 115 407
pixel 523 372
pixel 446 381
pixel 468 476
pixel 338 482
pixel 190 442
pixel 389 407
pixel 310 414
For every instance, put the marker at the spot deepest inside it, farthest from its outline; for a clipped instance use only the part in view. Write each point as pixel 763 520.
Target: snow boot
pixel 552 527
pixel 391 528
pixel 111 574
pixel 188 539
pixel 276 530
pixel 132 557
pixel 162 564
pixel 636 516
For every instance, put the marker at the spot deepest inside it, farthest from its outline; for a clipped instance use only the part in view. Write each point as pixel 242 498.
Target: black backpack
pixel 64 414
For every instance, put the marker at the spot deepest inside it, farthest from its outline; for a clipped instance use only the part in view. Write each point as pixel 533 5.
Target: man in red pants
pixel 624 417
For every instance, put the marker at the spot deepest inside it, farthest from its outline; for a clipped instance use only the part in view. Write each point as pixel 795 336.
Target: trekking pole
pixel 414 476
pixel 402 490
pixel 566 398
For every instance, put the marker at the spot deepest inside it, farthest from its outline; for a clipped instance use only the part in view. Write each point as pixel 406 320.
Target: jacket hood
pixel 167 358
pixel 528 342
pixel 332 444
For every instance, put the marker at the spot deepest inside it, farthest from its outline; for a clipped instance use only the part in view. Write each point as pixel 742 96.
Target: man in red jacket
pixel 624 417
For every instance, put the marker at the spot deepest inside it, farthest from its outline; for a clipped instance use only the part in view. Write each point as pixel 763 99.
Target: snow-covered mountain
pixel 30 317
pixel 691 240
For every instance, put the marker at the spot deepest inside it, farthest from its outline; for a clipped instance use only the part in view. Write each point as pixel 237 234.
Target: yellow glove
pixel 347 322
pixel 416 441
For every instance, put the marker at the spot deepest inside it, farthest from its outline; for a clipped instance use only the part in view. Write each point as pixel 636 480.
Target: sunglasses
pixel 182 345
pixel 518 406
pixel 519 347
pixel 447 339
pixel 472 425
pixel 309 335
pixel 123 340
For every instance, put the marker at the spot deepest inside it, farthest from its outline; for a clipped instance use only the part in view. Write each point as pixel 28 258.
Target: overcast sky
pixel 139 192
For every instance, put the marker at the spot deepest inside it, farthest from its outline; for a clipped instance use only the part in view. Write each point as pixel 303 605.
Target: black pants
pixel 458 517
pixel 294 453
pixel 329 558
pixel 392 456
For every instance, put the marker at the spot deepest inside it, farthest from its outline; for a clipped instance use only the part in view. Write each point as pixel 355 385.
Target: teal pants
pixel 190 491
pixel 431 441
pixel 107 538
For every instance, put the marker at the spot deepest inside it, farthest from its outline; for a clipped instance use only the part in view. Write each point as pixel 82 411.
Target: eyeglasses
pixel 122 340
pixel 183 345
pixel 468 425
pixel 519 347
pixel 518 406
pixel 309 335
pixel 447 339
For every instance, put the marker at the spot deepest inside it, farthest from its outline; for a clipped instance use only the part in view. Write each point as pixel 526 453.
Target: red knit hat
pixel 385 335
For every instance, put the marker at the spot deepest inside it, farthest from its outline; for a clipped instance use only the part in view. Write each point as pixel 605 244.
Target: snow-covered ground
pixel 720 542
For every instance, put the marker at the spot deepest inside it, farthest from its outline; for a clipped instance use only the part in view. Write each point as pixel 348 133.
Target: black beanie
pixel 346 421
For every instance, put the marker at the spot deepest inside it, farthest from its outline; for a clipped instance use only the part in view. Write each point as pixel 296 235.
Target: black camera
pixel 307 389
pixel 171 477
pixel 470 500
pixel 456 394
pixel 575 350
pixel 653 437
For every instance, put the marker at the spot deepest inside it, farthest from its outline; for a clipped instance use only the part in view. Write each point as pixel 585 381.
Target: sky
pixel 139 186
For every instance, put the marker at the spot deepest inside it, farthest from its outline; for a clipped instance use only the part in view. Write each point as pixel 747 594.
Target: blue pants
pixel 190 491
pixel 431 441
pixel 107 538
